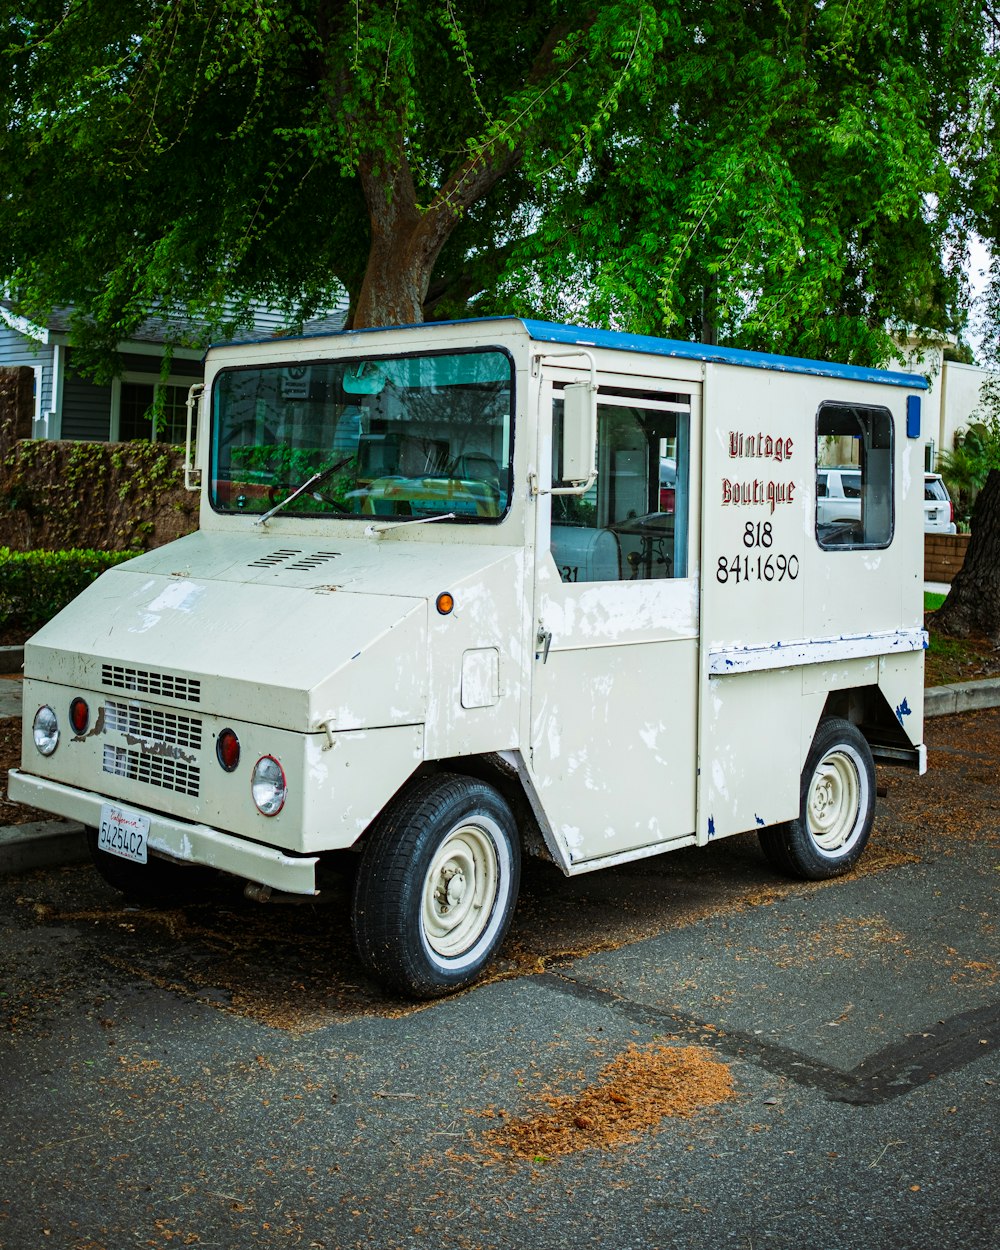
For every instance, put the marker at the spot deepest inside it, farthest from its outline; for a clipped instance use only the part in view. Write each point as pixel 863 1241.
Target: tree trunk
pixel 973 603
pixel 395 281
pixel 406 240
pixel 394 286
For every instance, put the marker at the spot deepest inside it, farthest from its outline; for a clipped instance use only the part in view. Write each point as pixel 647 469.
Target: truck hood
pixel 296 635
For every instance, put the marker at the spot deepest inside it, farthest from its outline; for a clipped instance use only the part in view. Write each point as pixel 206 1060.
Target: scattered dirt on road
pixel 633 1095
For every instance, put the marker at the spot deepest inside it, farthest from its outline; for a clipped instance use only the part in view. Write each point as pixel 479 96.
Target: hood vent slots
pixel 313 561
pixel 272 558
pixel 303 563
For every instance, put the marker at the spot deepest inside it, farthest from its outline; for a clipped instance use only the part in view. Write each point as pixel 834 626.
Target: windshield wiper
pixel 373 531
pixel 315 480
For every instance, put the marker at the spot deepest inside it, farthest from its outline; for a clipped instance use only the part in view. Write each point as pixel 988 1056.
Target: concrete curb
pixel 41 844
pixel 963 696
pixel 11 659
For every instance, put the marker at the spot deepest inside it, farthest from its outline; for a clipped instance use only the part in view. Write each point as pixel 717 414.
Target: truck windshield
pixel 409 436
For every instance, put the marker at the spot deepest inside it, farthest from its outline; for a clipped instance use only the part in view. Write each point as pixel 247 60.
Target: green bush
pixel 35 585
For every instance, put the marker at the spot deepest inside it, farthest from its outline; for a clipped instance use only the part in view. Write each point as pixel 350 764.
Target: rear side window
pixel 934 489
pixel 854 501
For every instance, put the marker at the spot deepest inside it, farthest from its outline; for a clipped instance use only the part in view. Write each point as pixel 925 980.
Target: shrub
pixel 35 585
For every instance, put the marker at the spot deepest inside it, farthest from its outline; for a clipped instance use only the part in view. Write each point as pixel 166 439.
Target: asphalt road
pixel 224 1076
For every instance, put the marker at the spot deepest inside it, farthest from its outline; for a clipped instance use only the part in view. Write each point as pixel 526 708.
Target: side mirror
pixel 579 443
pixel 192 473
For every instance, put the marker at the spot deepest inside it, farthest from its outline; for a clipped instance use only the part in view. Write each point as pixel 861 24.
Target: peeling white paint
pixel 736 659
pixel 348 718
pixel 578 760
pixel 147 621
pixel 650 735
pixel 178 596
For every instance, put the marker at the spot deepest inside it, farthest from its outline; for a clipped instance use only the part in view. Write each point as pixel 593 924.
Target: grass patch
pixel 949 659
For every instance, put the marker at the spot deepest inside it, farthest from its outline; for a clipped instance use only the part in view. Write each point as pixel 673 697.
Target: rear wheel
pixel 157 881
pixel 837 807
pixel 436 886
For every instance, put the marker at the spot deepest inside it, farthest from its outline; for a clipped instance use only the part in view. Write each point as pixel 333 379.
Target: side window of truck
pixel 632 525
pixel 854 480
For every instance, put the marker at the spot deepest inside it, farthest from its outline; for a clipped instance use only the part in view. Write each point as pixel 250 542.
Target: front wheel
pixel 837 807
pixel 436 886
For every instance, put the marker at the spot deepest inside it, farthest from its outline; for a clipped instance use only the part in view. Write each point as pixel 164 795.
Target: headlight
pixel 268 786
pixel 45 730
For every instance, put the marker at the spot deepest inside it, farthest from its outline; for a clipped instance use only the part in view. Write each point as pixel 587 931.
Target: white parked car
pixel 838 494
pixel 939 511
pixel 838 499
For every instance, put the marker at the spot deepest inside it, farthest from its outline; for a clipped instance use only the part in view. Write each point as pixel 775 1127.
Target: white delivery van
pixel 436 611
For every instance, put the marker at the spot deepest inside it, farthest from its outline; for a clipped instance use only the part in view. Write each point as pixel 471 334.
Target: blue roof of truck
pixel 551 332
pixel 616 340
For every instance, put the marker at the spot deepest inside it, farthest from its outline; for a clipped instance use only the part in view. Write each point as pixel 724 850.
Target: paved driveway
pixel 686 1052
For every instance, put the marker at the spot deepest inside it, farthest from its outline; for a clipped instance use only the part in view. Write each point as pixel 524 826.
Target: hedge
pixel 35 585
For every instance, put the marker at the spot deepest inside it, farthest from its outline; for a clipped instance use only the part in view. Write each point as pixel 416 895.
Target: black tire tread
pixel 786 846
pixel 385 880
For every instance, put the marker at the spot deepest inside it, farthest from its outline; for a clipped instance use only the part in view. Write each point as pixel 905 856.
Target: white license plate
pixel 123 833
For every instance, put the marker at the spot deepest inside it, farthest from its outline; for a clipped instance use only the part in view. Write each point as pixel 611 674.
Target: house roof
pixel 168 327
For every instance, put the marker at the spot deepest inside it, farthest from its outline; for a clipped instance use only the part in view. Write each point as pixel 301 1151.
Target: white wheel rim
pixel 836 800
pixel 460 890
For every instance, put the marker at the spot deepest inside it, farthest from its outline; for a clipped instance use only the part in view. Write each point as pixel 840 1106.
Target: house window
pixel 137 410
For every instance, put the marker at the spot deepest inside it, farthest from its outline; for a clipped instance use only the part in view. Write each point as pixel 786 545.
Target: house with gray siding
pixel 70 406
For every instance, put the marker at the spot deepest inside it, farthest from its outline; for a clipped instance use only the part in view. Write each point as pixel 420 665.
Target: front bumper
pixel 180 840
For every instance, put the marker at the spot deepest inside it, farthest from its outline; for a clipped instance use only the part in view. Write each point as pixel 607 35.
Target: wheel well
pixel 868 708
pixel 498 772
pixel 495 771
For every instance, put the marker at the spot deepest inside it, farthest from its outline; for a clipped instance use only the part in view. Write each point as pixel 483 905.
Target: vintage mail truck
pixel 442 609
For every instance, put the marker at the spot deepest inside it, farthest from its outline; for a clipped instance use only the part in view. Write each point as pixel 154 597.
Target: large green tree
pixel 792 175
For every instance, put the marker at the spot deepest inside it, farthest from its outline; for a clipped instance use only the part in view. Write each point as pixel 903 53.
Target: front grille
pixel 143 681
pixel 135 720
pixel 154 770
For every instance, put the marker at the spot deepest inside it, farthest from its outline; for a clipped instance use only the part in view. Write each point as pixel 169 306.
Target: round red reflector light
pixel 79 715
pixel 227 750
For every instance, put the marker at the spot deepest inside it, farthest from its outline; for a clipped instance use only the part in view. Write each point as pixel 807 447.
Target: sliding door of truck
pixel 615 678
